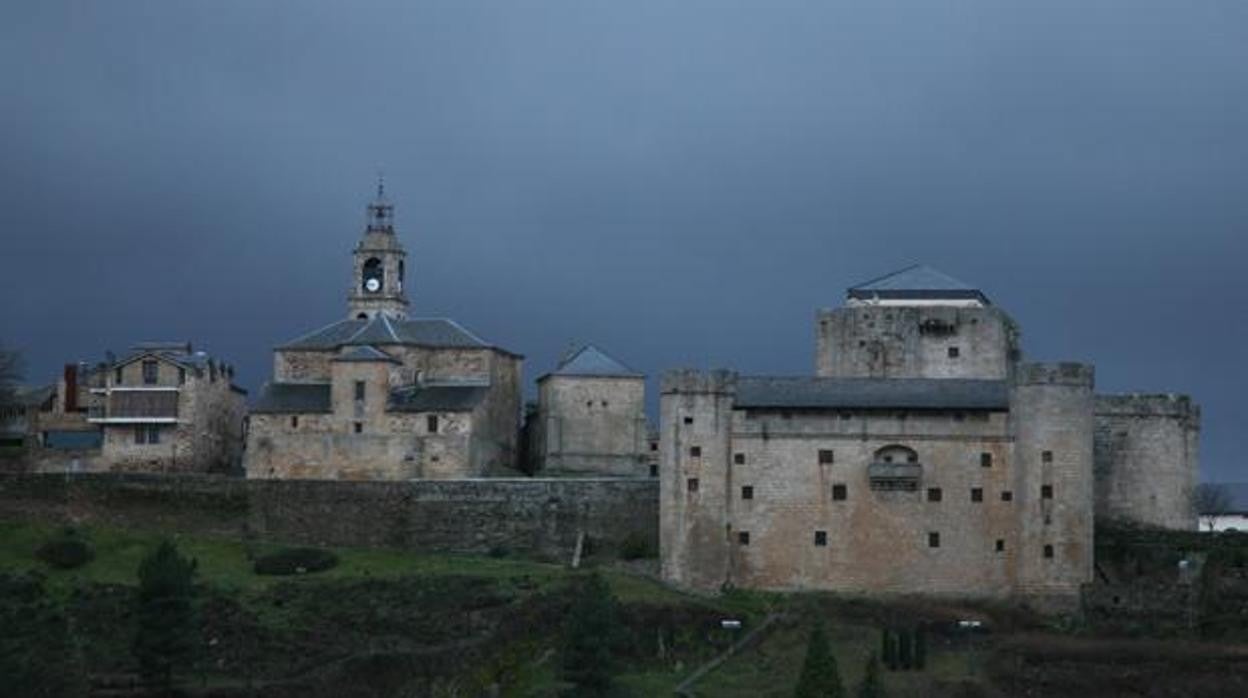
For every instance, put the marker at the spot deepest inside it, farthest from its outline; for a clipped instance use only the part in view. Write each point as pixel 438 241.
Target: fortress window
pixel 654 471
pixel 821 538
pixel 953 352
pixel 359 427
pixel 747 492
pixel 589 404
pixel 825 456
pixel 181 376
pixel 117 377
pixel 1007 496
pixel 604 403
pixel 654 445
pixel 977 494
pixel 150 371
pixel 738 458
pixel 695 451
pixel 431 424
pixel 985 460
pixel 692 484
pixel 933 539
pixel 1048 551
pixel 743 537
pixel 688 420
pixel 839 493
pixel 294 421
pixel 1046 456
pixel 1046 491
pixel 359 390
pixel 1000 545
pixel 934 494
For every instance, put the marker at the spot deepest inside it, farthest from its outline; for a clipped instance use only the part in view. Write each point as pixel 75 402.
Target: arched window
pixel 372 271
pixel 362 316
pixel 896 454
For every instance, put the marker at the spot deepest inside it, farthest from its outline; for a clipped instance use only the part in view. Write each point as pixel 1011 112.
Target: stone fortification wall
pixel 593 422
pixel 522 515
pixel 1147 458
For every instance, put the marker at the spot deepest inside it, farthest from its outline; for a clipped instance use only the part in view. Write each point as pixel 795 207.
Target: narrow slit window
pixel 294 422
pixel 359 390
pixel 431 423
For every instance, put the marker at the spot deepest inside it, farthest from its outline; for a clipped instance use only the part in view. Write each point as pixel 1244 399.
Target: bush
pixel 66 552
pixel 295 561
pixel 637 546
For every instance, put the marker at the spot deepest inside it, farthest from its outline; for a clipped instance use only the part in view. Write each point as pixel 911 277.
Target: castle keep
pixel 924 456
pixel 381 396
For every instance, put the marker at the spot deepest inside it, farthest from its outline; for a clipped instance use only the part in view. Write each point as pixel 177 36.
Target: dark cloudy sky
pixel 683 183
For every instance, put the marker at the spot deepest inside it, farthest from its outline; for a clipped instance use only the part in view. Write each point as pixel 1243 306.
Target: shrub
pixel 168 632
pixel 295 561
pixel 637 546
pixel 66 552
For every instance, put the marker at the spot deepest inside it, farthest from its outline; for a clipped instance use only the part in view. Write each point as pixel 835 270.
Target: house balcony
pixel 137 407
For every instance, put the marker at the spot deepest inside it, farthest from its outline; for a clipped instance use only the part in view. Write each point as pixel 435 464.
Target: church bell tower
pixel 379 267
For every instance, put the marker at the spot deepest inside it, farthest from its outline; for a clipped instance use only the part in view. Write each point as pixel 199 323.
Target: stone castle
pixel 924 454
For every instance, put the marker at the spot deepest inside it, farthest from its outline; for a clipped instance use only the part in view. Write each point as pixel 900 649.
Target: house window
pixel 1046 456
pixel 695 451
pixel 1007 496
pixel 1048 551
pixel 359 390
pixel 825 456
pixel 431 424
pixel 933 539
pixel 359 427
pixel 821 538
pixel 738 458
pixel 654 446
pixel 839 493
pixel 985 460
pixel 688 420
pixel 743 537
pixel 294 422
pixel 692 484
pixel 977 494
pixel 1046 491
pixel 117 376
pixel 953 352
pixel 151 372
pixel 1000 545
pixel 747 492
pixel 181 375
pixel 140 434
pixel 933 494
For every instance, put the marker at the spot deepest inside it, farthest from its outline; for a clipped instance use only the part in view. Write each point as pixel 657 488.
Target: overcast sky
pixel 682 183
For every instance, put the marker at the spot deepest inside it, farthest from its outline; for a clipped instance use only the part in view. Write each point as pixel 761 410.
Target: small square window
pixel 1000 545
pixel 692 484
pixel 1046 491
pixel 431 423
pixel 977 494
pixel 1007 496
pixel 743 537
pixel 934 494
pixel 953 352
pixel 933 539
pixel 747 492
pixel 688 420
pixel 695 451
pixel 985 460
pixel 840 493
pixel 738 458
pixel 294 422
pixel 821 538
pixel 654 471
pixel 825 456
pixel 1046 456
pixel 1048 551
pixel 359 427
pixel 654 446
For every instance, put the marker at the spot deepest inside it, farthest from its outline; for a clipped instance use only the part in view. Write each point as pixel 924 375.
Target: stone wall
pixel 521 514
pixel 592 422
pixel 1147 458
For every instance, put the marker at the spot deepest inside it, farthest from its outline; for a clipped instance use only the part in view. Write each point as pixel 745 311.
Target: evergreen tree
pixel 592 628
pixel 905 648
pixel 167 633
pixel 890 649
pixel 872 685
pixel 820 677
pixel 920 647
pixel 40 656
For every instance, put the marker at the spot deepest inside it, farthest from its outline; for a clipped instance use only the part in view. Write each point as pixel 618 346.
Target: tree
pixel 40 655
pixel 1211 500
pixel 820 676
pixel 588 639
pixel 167 633
pixel 872 685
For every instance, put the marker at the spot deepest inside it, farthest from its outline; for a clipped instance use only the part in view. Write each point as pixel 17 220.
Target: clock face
pixel 372 285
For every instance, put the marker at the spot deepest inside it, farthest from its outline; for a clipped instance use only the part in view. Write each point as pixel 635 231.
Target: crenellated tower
pixel 379 266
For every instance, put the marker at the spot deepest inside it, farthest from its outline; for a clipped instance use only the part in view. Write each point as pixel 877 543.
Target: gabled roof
pixel 293 397
pixel 917 282
pixel 438 398
pixel 762 392
pixel 381 330
pixel 589 360
pixel 365 353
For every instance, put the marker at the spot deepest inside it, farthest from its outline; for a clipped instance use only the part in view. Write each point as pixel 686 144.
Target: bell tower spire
pixel 379 264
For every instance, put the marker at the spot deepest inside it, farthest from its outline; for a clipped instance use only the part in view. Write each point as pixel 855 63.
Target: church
pixel 379 395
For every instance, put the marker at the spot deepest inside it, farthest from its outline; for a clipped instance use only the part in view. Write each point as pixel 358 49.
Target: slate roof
pixel 760 392
pixel 589 360
pixel 293 397
pixel 366 353
pixel 438 398
pixel 916 282
pixel 380 330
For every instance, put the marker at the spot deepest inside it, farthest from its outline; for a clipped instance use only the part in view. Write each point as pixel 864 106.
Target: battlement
pixel 1148 405
pixel 1063 373
pixel 687 380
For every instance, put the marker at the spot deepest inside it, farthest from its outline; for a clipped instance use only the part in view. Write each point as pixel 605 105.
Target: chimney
pixel 71 387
